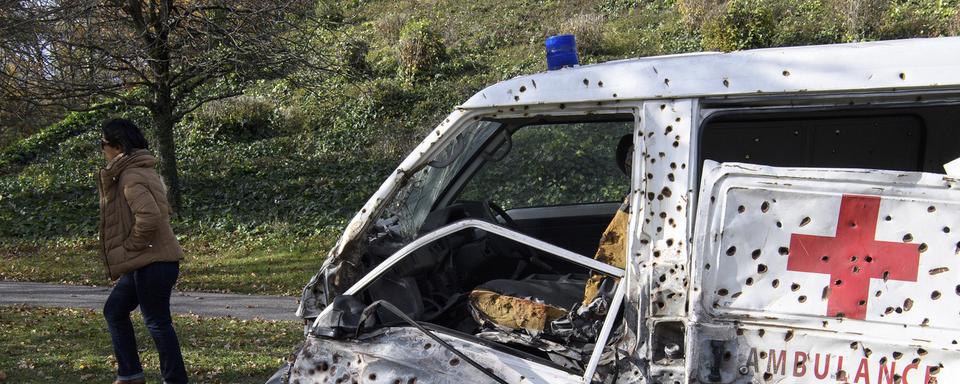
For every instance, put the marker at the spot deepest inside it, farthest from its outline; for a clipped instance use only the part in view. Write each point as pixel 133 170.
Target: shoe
pixel 134 381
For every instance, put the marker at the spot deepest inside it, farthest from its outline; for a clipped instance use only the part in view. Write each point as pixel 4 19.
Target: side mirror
pixel 343 319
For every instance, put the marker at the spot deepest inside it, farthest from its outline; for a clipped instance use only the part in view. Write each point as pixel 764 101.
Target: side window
pixel 904 139
pixel 554 164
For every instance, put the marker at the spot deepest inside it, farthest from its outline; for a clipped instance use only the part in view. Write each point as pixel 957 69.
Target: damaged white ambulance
pixel 787 219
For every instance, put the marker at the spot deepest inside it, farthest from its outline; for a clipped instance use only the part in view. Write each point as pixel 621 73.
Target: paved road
pixel 198 303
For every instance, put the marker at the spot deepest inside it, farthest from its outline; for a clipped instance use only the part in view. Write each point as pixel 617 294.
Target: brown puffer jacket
pixel 134 215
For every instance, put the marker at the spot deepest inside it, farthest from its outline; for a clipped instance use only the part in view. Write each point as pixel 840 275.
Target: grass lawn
pixel 54 345
pixel 272 267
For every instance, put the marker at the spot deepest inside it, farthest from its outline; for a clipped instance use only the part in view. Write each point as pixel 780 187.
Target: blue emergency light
pixel 561 52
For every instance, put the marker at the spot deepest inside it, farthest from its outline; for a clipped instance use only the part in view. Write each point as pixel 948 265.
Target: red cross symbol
pixel 853 257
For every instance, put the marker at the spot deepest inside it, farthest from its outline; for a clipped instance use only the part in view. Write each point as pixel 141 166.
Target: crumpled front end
pixel 405 355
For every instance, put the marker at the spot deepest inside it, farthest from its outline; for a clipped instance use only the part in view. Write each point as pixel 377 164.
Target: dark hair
pixel 124 134
pixel 624 149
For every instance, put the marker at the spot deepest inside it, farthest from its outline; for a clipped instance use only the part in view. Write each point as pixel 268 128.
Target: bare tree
pixel 167 56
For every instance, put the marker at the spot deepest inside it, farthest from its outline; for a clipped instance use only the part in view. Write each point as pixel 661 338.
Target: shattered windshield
pixel 413 202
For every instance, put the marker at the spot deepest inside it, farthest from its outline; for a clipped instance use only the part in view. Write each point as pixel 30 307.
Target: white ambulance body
pixel 790 222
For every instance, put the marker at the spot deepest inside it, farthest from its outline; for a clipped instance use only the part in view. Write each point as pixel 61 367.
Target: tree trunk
pixel 166 151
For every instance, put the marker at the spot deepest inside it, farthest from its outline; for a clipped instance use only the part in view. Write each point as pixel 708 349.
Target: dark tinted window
pixel 917 139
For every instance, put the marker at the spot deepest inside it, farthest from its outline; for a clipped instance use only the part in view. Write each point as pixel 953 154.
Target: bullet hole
pixel 760 333
pixel 614 95
pixel 805 221
pixel 600 84
pixel 427 346
pixel 931 209
pixel 673 165
pixel 764 207
pixel 586 82
pixel 838 282
pixel 903 76
pixel 736 295
pixel 722 291
pixel 763 354
pixel 922 248
pixel 937 271
pixel 921 352
pixel 749 281
pixel 455 361
pixel 853 345
pixel 663 106
pixel 671 178
pixel 373 376
pixel 946 229
pixel 883 360
pixel 779 224
pixel 886 275
pixel 897 355
pixel 666 192
pixel 666 82
pixel 706 266
pixel 868 258
pixel 907 238
pixel 783 251
pixel 651 196
pixel 776 283
pixel 824 258
pixel 786 73
pixel 668 130
pixel 867 352
pixel 856 269
pixel 523 88
pixel 726 83
pixel 741 208
pixel 676 144
pixel 802 299
pixel 761 268
pixel 925 322
pixel 755 254
pixel 826 293
pixel 878 293
pixel 888 311
pixel 794 287
pixel 862 303
pixel 563 106
pixel 727 355
pixel 516 98
pixel 731 251
pixel 935 295
pixel 887 218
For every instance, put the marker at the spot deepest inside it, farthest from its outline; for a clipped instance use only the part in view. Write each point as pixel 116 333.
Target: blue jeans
pixel 150 288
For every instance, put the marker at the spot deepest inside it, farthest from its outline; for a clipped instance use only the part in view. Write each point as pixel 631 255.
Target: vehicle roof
pixel 880 65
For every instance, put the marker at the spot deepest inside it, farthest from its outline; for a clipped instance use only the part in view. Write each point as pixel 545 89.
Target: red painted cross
pixel 853 257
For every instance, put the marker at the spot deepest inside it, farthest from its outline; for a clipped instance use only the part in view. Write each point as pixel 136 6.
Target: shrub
pixel 744 24
pixel 23 151
pixel 419 51
pixel 390 24
pixel 919 18
pixel 588 28
pixel 242 118
pixel 353 57
pixel 748 24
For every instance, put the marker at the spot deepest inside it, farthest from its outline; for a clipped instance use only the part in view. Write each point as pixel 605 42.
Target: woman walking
pixel 139 251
